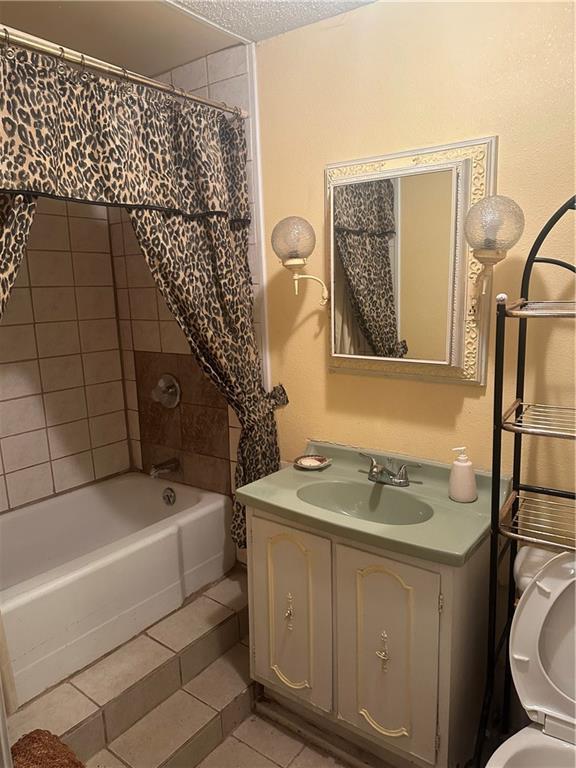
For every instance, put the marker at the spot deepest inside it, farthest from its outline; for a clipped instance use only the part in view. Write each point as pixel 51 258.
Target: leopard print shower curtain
pixel 179 167
pixel 16 214
pixel 363 225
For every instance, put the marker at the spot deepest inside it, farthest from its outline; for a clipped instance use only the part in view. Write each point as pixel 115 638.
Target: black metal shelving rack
pixel 530 513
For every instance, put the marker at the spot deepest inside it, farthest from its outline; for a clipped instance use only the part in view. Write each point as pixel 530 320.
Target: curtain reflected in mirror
pixel 393 244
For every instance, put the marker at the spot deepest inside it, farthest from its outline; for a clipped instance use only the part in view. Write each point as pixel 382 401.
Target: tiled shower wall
pixel 196 431
pixel 62 418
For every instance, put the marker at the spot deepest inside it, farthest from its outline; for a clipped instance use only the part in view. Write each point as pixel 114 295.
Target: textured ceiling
pixel 259 19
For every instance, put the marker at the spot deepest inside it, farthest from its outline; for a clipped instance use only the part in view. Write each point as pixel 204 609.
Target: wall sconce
pixel 493 225
pixel 293 241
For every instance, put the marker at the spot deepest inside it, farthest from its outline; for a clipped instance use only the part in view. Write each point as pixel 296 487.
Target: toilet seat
pixel 542 639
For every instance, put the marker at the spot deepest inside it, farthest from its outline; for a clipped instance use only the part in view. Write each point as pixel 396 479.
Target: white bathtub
pixel 83 572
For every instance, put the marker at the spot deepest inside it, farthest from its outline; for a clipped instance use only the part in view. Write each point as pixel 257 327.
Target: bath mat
pixel 41 749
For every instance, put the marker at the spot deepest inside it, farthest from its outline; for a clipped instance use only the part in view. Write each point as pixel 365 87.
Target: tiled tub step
pixel 187 648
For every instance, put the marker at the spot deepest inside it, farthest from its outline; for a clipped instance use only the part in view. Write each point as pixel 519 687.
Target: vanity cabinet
pixel 387 628
pixel 292 624
pixel 382 648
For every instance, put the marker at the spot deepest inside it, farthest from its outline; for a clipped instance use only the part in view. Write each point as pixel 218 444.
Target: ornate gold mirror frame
pixel 474 166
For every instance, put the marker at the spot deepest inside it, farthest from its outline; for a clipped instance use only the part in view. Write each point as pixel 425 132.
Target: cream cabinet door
pixel 387 630
pixel 291 610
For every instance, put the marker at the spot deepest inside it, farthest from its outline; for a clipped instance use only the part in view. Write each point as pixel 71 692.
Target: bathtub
pixel 83 572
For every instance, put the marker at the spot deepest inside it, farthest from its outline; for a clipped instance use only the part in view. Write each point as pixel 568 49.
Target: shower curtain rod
pixel 10 35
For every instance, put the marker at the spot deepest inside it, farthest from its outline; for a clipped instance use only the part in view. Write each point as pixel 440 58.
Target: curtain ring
pixel 7 49
pixel 61 68
pixel 84 76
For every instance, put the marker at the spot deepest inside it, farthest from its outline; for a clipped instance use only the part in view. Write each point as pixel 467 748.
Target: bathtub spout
pixel 164 467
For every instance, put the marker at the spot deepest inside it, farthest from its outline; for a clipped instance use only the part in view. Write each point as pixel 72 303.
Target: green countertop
pixel 450 536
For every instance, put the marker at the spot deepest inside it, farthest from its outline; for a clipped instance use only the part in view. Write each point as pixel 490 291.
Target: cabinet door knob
pixel 289 615
pixel 384 654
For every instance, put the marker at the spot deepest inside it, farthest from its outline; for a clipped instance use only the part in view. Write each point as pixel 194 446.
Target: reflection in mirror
pixel 393 246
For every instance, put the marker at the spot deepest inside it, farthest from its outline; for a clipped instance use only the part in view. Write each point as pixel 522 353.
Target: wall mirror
pixel 404 297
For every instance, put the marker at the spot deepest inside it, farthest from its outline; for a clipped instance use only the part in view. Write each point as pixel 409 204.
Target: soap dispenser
pixel 462 484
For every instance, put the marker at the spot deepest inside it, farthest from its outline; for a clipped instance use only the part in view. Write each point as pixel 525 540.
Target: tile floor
pixel 256 743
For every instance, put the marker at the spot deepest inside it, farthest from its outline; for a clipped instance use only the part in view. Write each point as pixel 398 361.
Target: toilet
pixel 543 664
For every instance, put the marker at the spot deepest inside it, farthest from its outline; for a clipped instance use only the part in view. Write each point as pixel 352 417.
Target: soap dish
pixel 312 462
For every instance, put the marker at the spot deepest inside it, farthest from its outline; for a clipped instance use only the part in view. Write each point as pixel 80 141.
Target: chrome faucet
pixel 164 467
pixel 379 473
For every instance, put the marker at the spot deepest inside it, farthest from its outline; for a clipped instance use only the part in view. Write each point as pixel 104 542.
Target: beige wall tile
pixel 96 335
pixel 102 366
pixel 22 278
pixel 66 439
pixel 68 405
pixel 120 277
pixel 22 415
pixel 131 395
pixel 89 235
pixel 50 268
pixel 25 450
pixel 233 91
pixel 109 428
pixel 117 239
pixel 29 484
pixel 138 273
pixel 125 328
pixel 146 335
pixel 111 459
pixel 18 310
pixel 96 302
pixel 227 63
pixel 87 210
pixel 17 342
pixel 72 471
pixel 123 302
pixel 56 339
pixel 191 76
pixel 113 214
pixel 136 453
pixel 61 372
pixel 92 269
pixel 234 440
pixel 57 711
pixel 143 305
pixel 50 205
pixel 163 312
pixel 131 245
pixel 49 233
pixel 3 495
pixel 53 304
pixel 105 398
pixel 232 418
pixel 19 379
pixel 128 365
pixel 133 419
pixel 172 338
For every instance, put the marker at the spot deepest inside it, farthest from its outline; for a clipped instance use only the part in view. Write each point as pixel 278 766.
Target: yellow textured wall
pixel 391 77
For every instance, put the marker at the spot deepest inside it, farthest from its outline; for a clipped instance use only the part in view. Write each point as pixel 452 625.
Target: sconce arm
pixel 325 295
